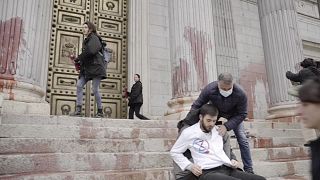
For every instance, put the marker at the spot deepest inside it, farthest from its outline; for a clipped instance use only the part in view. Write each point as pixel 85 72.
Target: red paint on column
pixel 10 36
pixel 180 77
pixel 200 44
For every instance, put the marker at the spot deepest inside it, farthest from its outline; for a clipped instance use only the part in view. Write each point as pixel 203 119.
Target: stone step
pixel 275 133
pixel 85 121
pixel 271 142
pixel 49 131
pixel 267 154
pixel 102 122
pixel 292 177
pixel 72 145
pixel 265 124
pixel 65 162
pixel 138 174
pixel 282 169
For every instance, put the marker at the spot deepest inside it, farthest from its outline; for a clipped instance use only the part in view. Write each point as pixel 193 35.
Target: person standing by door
pixel 92 67
pixel 135 98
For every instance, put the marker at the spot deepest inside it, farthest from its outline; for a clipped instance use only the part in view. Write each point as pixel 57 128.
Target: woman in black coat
pixel 92 67
pixel 135 99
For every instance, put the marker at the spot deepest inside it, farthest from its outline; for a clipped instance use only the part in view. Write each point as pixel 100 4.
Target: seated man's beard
pixel 204 128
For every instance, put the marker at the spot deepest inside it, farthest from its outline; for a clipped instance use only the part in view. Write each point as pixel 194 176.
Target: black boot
pixel 99 114
pixel 77 112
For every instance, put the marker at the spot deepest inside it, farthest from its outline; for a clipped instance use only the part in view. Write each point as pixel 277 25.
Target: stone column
pixel 225 39
pixel 193 57
pixel 24 45
pixel 138 39
pixel 283 50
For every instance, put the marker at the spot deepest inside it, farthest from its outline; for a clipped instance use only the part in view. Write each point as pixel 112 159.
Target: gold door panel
pixel 79 4
pixel 112 7
pixel 109 25
pixel 110 18
pixel 69 42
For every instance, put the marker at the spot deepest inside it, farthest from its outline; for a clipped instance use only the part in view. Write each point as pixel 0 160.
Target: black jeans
pixel 135 108
pixel 227 173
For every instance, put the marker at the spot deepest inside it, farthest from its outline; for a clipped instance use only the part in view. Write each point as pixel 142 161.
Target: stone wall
pixel 252 70
pixel 149 53
pixel 160 66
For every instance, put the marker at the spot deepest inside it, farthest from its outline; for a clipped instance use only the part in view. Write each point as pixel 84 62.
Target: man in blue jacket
pixel 231 102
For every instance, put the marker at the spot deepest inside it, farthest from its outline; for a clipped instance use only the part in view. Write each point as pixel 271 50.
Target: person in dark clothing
pixel 309 71
pixel 231 102
pixel 92 67
pixel 135 98
pixel 309 95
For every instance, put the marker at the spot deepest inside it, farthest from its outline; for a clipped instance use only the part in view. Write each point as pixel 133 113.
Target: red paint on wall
pixel 248 80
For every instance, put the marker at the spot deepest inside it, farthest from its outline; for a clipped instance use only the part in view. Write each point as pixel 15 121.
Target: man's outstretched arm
pixel 179 147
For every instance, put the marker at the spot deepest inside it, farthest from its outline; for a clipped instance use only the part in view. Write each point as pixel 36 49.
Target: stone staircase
pixel 59 147
pixel 277 149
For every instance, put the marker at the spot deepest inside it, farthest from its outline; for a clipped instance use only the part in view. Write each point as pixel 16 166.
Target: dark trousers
pixel 227 173
pixel 135 108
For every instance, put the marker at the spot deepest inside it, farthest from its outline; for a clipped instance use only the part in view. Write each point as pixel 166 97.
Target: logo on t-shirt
pixel 202 146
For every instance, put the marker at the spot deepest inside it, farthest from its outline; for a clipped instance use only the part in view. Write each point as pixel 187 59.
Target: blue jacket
pixel 233 107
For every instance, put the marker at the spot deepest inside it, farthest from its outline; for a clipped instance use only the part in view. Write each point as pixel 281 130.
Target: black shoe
pixel 249 171
pixel 77 112
pixel 99 114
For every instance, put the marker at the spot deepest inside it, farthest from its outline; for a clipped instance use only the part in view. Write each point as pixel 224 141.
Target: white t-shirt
pixel 206 148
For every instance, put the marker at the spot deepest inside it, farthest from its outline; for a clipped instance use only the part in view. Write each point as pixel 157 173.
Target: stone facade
pixel 149 53
pixel 152 39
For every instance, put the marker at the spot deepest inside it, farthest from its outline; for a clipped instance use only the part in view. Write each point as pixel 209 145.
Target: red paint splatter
pixel 200 44
pixel 248 79
pixel 180 78
pixel 10 36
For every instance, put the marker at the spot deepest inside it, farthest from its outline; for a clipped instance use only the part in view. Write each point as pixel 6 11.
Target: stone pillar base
pixel 282 111
pixel 22 98
pixel 16 107
pixel 179 108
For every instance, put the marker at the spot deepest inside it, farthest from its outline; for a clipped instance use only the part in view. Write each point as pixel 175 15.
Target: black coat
pixel 303 75
pixel 92 64
pixel 233 107
pixel 315 159
pixel 136 94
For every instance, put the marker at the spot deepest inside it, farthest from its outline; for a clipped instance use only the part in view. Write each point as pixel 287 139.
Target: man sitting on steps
pixel 206 146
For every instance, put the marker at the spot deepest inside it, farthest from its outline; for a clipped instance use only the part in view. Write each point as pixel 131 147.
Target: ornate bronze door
pixel 110 17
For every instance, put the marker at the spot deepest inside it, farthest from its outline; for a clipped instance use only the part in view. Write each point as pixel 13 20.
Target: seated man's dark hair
pixel 209 109
pixel 310 91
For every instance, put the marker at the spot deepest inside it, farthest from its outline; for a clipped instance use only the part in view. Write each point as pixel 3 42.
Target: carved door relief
pixel 110 18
